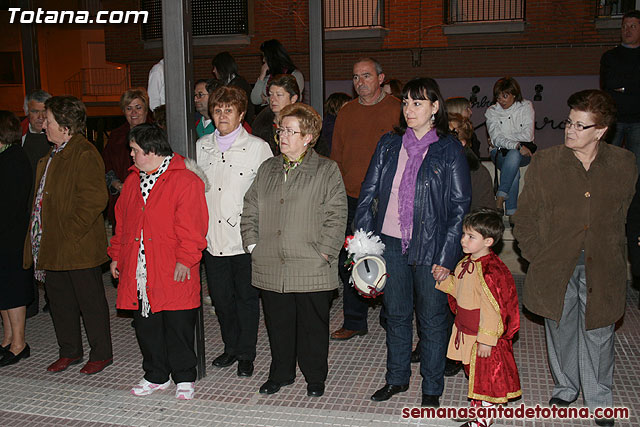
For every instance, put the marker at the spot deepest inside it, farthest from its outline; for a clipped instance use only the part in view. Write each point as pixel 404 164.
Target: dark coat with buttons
pixel 75 194
pixel 564 209
pixel 442 198
pixel 293 222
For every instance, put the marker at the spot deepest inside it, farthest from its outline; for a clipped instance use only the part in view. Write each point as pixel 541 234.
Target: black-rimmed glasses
pixel 578 126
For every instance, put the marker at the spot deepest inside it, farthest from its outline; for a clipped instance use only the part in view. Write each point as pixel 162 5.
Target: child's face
pixel 473 243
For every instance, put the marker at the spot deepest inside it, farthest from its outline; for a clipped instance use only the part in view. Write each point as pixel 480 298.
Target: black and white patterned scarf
pixel 147 181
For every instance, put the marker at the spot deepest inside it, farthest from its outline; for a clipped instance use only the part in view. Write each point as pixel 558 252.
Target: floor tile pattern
pixel 30 396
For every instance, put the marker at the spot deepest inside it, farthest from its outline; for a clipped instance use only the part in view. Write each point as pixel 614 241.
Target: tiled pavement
pixel 30 396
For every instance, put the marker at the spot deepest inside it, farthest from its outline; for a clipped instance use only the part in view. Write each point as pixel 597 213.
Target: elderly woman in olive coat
pixel 570 226
pixel 293 221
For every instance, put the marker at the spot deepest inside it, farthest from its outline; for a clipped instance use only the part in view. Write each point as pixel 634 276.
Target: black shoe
pixel 315 389
pixel 245 368
pixel 430 401
pixel 11 359
pixel 224 360
pixel 5 349
pixel 45 309
pixel 560 403
pixel 387 391
pixel 415 355
pixel 271 387
pixel 452 367
pixel 605 421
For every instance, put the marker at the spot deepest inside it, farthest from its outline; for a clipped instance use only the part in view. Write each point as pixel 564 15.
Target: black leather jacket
pixel 443 197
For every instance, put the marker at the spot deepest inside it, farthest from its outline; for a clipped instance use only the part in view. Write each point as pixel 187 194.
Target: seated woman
pixel 510 123
pixel 275 61
pixel 283 90
pixel 161 227
pixel 16 285
pixel 117 161
pixel 420 178
pixel 462 106
pixel 293 222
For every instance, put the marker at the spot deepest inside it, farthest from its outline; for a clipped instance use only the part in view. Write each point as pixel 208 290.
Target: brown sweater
pixel 355 136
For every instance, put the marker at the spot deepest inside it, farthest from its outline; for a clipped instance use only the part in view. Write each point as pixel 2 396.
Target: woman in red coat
pixel 161 227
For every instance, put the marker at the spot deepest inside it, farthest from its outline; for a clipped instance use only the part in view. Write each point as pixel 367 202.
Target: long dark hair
pixel 425 88
pixel 225 66
pixel 277 58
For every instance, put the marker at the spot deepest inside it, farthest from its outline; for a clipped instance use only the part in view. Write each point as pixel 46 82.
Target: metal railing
pixel 353 13
pixel 98 82
pixel 614 8
pixel 468 11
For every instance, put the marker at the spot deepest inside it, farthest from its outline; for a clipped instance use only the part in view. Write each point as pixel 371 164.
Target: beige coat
pixel 292 223
pixel 75 194
pixel 564 209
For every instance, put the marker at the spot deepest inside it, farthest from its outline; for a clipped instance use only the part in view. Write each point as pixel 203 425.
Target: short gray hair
pixel 38 96
pixel 375 63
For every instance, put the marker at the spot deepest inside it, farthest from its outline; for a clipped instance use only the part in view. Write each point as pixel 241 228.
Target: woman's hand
pixel 182 272
pixel 484 350
pixel 525 151
pixel 114 269
pixel 263 71
pixel 439 272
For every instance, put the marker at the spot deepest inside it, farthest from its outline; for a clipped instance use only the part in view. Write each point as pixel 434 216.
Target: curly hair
pixel 308 118
pixel 599 103
pixel 228 95
pixel 69 112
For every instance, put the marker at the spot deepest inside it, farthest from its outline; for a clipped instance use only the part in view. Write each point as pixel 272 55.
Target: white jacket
pixel 230 175
pixel 509 127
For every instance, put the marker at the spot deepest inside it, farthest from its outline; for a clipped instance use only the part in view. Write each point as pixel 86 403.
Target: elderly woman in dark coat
pixel 293 222
pixel 570 226
pixel 67 241
pixel 16 290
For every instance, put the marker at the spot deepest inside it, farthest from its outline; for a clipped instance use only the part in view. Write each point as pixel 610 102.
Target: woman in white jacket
pixel 511 124
pixel 230 158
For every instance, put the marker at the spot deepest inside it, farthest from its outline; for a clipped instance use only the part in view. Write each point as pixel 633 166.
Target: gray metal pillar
pixel 316 55
pixel 178 81
pixel 30 57
pixel 178 75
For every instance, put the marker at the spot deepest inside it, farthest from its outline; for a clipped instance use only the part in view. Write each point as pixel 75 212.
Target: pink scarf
pixel 225 142
pixel 416 149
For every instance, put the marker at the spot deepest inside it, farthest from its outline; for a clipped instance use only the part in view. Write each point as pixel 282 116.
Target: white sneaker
pixel 145 388
pixel 185 391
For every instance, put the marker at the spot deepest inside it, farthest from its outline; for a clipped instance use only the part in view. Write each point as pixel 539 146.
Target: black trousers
pixel 298 328
pixel 166 341
pixel 76 293
pixel 236 302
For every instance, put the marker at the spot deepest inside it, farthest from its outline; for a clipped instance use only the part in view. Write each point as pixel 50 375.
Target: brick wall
pixel 560 38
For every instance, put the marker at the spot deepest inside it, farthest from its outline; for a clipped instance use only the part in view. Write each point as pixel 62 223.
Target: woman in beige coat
pixel 293 224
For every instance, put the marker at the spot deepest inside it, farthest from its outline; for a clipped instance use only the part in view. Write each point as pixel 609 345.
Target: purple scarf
pixel 416 149
pixel 225 142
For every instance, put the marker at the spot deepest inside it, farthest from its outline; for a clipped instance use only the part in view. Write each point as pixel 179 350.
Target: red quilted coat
pixel 175 221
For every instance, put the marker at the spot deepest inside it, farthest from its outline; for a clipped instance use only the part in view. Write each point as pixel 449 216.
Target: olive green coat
pixel 75 194
pixel 564 209
pixel 292 223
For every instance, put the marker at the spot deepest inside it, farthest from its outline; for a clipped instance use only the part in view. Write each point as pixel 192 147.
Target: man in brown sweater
pixel 359 126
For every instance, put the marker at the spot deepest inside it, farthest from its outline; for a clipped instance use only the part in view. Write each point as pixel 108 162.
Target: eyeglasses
pixel 286 132
pixel 578 126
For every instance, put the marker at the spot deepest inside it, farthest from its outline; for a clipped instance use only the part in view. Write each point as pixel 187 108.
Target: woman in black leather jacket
pixel 420 177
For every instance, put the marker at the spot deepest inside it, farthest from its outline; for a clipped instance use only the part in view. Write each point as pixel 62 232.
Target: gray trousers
pixel 577 357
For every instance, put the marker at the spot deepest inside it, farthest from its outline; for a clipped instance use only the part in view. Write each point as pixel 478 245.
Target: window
pixel 615 8
pixel 345 14
pixel 209 18
pixel 476 11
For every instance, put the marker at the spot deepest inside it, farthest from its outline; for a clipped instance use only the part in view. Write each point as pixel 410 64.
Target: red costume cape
pixel 495 378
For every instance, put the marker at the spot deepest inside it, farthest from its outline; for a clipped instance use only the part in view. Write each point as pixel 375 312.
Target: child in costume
pixel 482 295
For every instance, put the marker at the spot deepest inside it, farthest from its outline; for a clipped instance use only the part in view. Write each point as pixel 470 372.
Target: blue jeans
pixel 509 166
pixel 408 287
pixel 631 134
